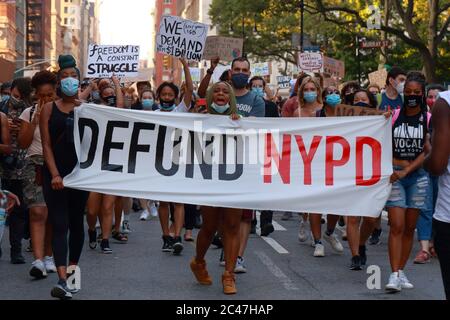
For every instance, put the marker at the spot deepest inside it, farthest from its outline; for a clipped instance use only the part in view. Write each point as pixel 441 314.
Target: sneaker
pixel 222 259
pixel 144 215
pixel 17 258
pixel 61 291
pixel 355 263
pixel 217 241
pixel 49 263
pixel 404 282
pixel 334 242
pixel 267 229
pixel 362 254
pixel 286 216
pixel 104 245
pixel 153 210
pixel 319 250
pixel 341 222
pixel 200 272
pixel 229 283
pixel 167 244
pixel 29 248
pixel 177 246
pixel 344 235
pixel 313 243
pixel 92 238
pixel 126 227
pixel 38 270
pixel 302 234
pixel 394 284
pixel 422 257
pixel 240 268
pixel 375 237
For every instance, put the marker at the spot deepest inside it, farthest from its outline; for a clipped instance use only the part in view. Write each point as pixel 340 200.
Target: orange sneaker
pixel 229 283
pixel 200 272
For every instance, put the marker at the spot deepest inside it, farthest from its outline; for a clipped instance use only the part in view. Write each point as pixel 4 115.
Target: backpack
pixel 397 113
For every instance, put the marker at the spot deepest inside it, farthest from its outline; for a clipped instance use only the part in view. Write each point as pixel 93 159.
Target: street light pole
pixel 358 59
pixel 302 9
pixel 243 37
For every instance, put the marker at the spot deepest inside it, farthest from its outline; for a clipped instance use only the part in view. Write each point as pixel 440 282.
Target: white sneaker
pixel 394 284
pixel 49 263
pixel 97 224
pixel 302 234
pixel 153 210
pixel 126 227
pixel 240 268
pixel 404 282
pixel 38 269
pixel 319 251
pixel 313 244
pixel 144 215
pixel 334 242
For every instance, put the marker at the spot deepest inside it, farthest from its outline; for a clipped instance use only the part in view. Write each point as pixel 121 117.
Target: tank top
pixel 442 211
pixel 60 127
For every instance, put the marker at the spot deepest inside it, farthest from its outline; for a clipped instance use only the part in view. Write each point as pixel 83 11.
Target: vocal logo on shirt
pixel 408 140
pixel 244 107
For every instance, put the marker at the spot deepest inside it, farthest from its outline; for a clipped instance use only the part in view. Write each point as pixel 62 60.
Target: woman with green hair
pixel 220 100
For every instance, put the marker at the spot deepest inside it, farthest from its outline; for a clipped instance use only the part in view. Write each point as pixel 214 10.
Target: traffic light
pixel 166 62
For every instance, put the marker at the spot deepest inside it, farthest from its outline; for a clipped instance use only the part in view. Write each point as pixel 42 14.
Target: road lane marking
pixel 287 283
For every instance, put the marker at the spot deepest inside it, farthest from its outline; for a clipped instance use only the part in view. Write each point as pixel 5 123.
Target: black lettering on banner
pixel 160 154
pixel 109 144
pixel 239 166
pixel 196 147
pixel 135 147
pixel 82 124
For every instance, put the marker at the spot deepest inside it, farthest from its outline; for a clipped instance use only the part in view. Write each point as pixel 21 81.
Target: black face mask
pixel 110 101
pixel 15 103
pixel 412 101
pixel 362 104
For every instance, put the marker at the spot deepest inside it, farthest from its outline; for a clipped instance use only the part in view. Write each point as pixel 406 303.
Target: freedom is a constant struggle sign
pixel 318 165
pixel 104 61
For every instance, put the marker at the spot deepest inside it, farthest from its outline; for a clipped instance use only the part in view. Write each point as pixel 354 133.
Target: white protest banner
pixel 226 48
pixel 181 38
pixel 284 82
pixel 104 61
pixel 310 61
pixel 260 69
pixel 219 71
pixel 321 165
pixel 144 74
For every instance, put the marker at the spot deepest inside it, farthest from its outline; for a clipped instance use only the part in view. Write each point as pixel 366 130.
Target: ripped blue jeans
pixel 411 191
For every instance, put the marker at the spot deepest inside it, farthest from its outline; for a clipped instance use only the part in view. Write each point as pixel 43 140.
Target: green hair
pixel 209 99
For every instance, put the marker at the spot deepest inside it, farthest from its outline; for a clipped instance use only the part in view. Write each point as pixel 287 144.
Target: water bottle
pixel 3 204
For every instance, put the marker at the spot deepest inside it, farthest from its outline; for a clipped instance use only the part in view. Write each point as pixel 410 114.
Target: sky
pixel 127 22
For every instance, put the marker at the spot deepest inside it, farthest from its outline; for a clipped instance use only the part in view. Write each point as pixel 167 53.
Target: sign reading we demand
pixel 104 61
pixel 181 38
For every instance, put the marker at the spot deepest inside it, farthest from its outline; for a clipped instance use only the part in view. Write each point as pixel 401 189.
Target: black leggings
pixel 65 212
pixel 442 245
pixel 190 215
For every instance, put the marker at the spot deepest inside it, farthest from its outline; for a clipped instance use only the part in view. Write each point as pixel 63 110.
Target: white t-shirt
pixel 36 146
pixel 179 108
pixel 442 211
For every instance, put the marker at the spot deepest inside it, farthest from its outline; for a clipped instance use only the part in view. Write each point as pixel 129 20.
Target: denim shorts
pixel 411 191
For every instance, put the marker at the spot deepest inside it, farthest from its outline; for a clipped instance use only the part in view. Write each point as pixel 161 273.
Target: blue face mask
pixel 220 109
pixel 167 106
pixel 332 99
pixel 310 96
pixel 239 80
pixel 95 96
pixel 147 104
pixel 69 86
pixel 258 91
pixel 5 98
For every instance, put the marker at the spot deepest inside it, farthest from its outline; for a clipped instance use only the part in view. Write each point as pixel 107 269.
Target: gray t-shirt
pixel 442 210
pixel 250 105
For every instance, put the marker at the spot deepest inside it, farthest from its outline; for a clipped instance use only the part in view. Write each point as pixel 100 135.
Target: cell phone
pixel 201 105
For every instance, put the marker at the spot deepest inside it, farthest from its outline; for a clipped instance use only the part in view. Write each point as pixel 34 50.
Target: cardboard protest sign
pixel 284 82
pixel 334 67
pixel 104 61
pixel 378 77
pixel 260 69
pixel 343 110
pixel 310 61
pixel 144 74
pixel 181 38
pixel 226 48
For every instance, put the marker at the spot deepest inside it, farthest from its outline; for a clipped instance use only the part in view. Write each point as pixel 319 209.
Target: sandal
pixel 119 236
pixel 190 239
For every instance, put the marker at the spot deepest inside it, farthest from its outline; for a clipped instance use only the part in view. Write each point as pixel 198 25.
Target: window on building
pixel 72 21
pixel 167 11
pixel 66 10
pixel 167 1
pixel 66 21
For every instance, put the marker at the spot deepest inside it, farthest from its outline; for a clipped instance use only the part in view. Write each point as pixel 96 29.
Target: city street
pixel 279 267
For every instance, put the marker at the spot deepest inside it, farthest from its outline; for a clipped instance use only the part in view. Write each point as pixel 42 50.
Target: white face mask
pixel 400 87
pixel 220 109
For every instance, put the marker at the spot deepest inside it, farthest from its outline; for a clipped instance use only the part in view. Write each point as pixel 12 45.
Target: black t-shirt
pixel 271 109
pixel 408 134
